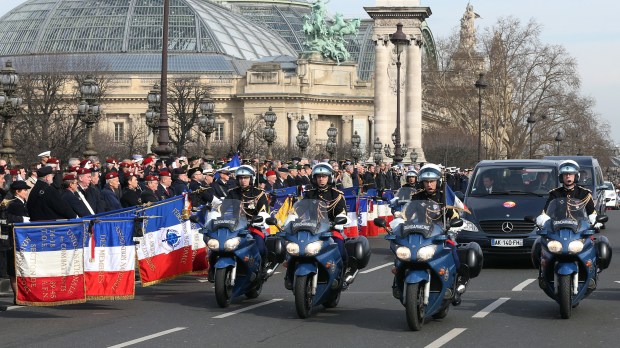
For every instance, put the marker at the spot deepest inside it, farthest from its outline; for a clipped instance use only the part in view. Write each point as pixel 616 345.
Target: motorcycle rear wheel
pixel 303 296
pixel 564 295
pixel 414 307
pixel 223 289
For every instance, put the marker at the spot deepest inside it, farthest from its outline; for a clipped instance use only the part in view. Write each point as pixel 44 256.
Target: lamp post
pixel 356 153
pixel 331 145
pixel 480 85
pixel 163 150
pixel 269 133
pixel 530 121
pixel 206 122
pixel 152 114
pixel 558 139
pixel 10 105
pixel 400 41
pixel 302 138
pixel 89 111
pixel 378 157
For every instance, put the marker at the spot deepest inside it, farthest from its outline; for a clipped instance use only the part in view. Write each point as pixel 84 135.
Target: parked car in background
pixel 499 195
pixel 611 196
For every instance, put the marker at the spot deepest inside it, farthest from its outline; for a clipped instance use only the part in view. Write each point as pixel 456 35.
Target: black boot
pixel 288 283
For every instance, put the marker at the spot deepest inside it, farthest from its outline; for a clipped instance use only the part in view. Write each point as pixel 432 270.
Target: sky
pixel 591 34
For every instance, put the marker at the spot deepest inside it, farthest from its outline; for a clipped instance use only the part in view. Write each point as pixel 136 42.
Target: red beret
pixel 129 174
pixel 125 164
pixel 85 162
pixel 147 160
pixel 151 178
pixel 13 172
pixel 111 175
pixel 74 168
pixel 83 171
pixel 52 160
pixel 111 160
pixel 164 173
pixel 68 177
pixel 270 172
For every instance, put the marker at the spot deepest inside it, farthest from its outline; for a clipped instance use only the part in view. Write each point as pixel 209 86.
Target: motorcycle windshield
pixel 308 215
pixel 230 214
pixel 419 217
pixel 404 194
pixel 567 213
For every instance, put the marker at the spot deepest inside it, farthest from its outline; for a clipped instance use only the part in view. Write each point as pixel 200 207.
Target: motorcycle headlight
pixel 313 248
pixel 403 253
pixel 427 252
pixel 575 246
pixel 232 244
pixel 213 244
pixel 292 249
pixel 554 246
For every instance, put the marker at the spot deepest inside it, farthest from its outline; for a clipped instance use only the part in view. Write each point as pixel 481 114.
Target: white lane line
pixel 376 268
pixel 225 315
pixel 617 281
pixel 10 308
pixel 446 338
pixel 146 338
pixel 523 284
pixel 483 313
pixel 202 280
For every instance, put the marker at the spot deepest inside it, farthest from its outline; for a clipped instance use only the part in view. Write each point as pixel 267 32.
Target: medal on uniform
pixel 251 206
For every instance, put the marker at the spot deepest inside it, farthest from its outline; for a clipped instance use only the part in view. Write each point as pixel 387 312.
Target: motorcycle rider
pixel 254 203
pixel 411 178
pixel 430 177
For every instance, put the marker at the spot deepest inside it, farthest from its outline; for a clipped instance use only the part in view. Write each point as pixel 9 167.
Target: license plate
pixel 507 242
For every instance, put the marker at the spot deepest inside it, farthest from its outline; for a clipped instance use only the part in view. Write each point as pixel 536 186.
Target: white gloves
pixel 215 202
pixel 341 227
pixel 592 218
pixel 289 218
pixel 541 219
pixel 262 224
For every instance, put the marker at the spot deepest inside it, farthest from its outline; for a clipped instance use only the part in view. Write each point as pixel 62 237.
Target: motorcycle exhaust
pixel 315 281
pixel 270 271
pixel 349 279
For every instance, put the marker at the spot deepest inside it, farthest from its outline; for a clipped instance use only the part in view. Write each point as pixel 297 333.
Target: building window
pixel 119 132
pixel 219 132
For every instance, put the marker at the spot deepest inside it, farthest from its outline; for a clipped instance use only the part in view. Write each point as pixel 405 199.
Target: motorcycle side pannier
pixel 359 251
pixel 470 254
pixel 603 252
pixel 275 249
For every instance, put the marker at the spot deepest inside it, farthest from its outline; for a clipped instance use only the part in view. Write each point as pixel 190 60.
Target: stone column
pixel 413 116
pixel 347 129
pixel 312 119
pixel 383 95
pixel 292 129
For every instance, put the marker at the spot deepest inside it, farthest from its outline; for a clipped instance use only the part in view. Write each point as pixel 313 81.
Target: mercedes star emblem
pixel 507 227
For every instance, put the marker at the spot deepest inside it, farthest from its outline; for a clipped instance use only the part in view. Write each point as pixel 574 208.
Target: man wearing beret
pixel 148 194
pixel 131 194
pixel 180 182
pixel 163 190
pixel 111 193
pixel 79 205
pixel 45 202
pixel 271 180
pixel 88 191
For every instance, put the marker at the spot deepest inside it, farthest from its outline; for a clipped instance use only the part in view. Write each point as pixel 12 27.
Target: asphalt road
pixel 503 307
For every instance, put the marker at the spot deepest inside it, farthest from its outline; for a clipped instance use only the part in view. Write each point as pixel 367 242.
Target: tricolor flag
pixel 351 229
pixel 165 250
pixel 362 215
pixel 109 264
pixel 452 201
pixel 49 263
pixel 200 262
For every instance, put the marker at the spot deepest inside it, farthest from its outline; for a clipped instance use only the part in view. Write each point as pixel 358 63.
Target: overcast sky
pixel 588 29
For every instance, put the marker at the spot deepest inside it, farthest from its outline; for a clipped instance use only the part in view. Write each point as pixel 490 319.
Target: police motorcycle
pixel 233 255
pixel 426 268
pixel 313 259
pixel 567 255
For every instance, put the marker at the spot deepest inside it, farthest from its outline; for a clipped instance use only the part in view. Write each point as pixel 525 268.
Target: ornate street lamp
pixel 331 145
pixel 558 139
pixel 89 111
pixel 269 133
pixel 400 41
pixel 480 85
pixel 378 157
pixel 530 121
pixel 163 150
pixel 356 153
pixel 206 122
pixel 152 114
pixel 10 105
pixel 302 138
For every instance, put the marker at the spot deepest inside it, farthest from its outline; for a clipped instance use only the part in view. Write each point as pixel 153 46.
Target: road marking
pixel 483 313
pixel 10 308
pixel 225 315
pixel 203 280
pixel 618 281
pixel 523 284
pixel 146 338
pixel 376 268
pixel 446 338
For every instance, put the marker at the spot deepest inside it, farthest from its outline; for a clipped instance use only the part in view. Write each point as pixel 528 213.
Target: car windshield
pixel 567 209
pixel 499 180
pixel 310 215
pixel 229 213
pixel 586 178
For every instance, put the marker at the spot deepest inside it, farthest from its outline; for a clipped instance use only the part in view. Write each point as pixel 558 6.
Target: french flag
pixel 109 264
pixel 351 229
pixel 49 262
pixel 452 201
pixel 362 216
pixel 200 262
pixel 165 250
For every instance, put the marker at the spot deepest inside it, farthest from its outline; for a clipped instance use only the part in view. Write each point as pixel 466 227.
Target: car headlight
pixel 313 248
pixel 292 249
pixel 213 244
pixel 403 253
pixel 426 253
pixel 467 226
pixel 232 244
pixel 575 246
pixel 554 246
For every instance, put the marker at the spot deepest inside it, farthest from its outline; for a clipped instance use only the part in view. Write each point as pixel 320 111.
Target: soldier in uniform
pixel 163 189
pixel 569 177
pixel 412 179
pixel 111 193
pixel 70 195
pixel 201 194
pixel 44 202
pixel 131 194
pixel 220 186
pixel 180 184
pixel 148 194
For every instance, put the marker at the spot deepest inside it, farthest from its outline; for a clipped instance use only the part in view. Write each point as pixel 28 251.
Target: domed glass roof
pixel 134 26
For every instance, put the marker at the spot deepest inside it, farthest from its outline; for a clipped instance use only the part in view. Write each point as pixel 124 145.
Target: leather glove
pixel 541 219
pixel 598 225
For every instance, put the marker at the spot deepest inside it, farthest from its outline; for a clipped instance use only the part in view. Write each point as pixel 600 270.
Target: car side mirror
pixel 529 219
pixel 271 221
pixel 602 219
pixel 456 223
pixel 257 219
pixel 379 222
pixel 340 220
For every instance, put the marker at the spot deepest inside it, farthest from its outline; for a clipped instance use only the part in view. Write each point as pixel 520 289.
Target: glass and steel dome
pixel 134 26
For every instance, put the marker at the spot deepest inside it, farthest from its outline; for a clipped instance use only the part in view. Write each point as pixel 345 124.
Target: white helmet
pixel 429 172
pixel 324 169
pixel 569 167
pixel 245 170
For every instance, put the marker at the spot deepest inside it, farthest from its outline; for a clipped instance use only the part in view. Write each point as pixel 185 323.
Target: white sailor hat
pixel 45 154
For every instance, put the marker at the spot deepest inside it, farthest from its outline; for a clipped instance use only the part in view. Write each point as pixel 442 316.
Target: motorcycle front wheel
pixel 223 288
pixel 414 306
pixel 564 295
pixel 303 296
